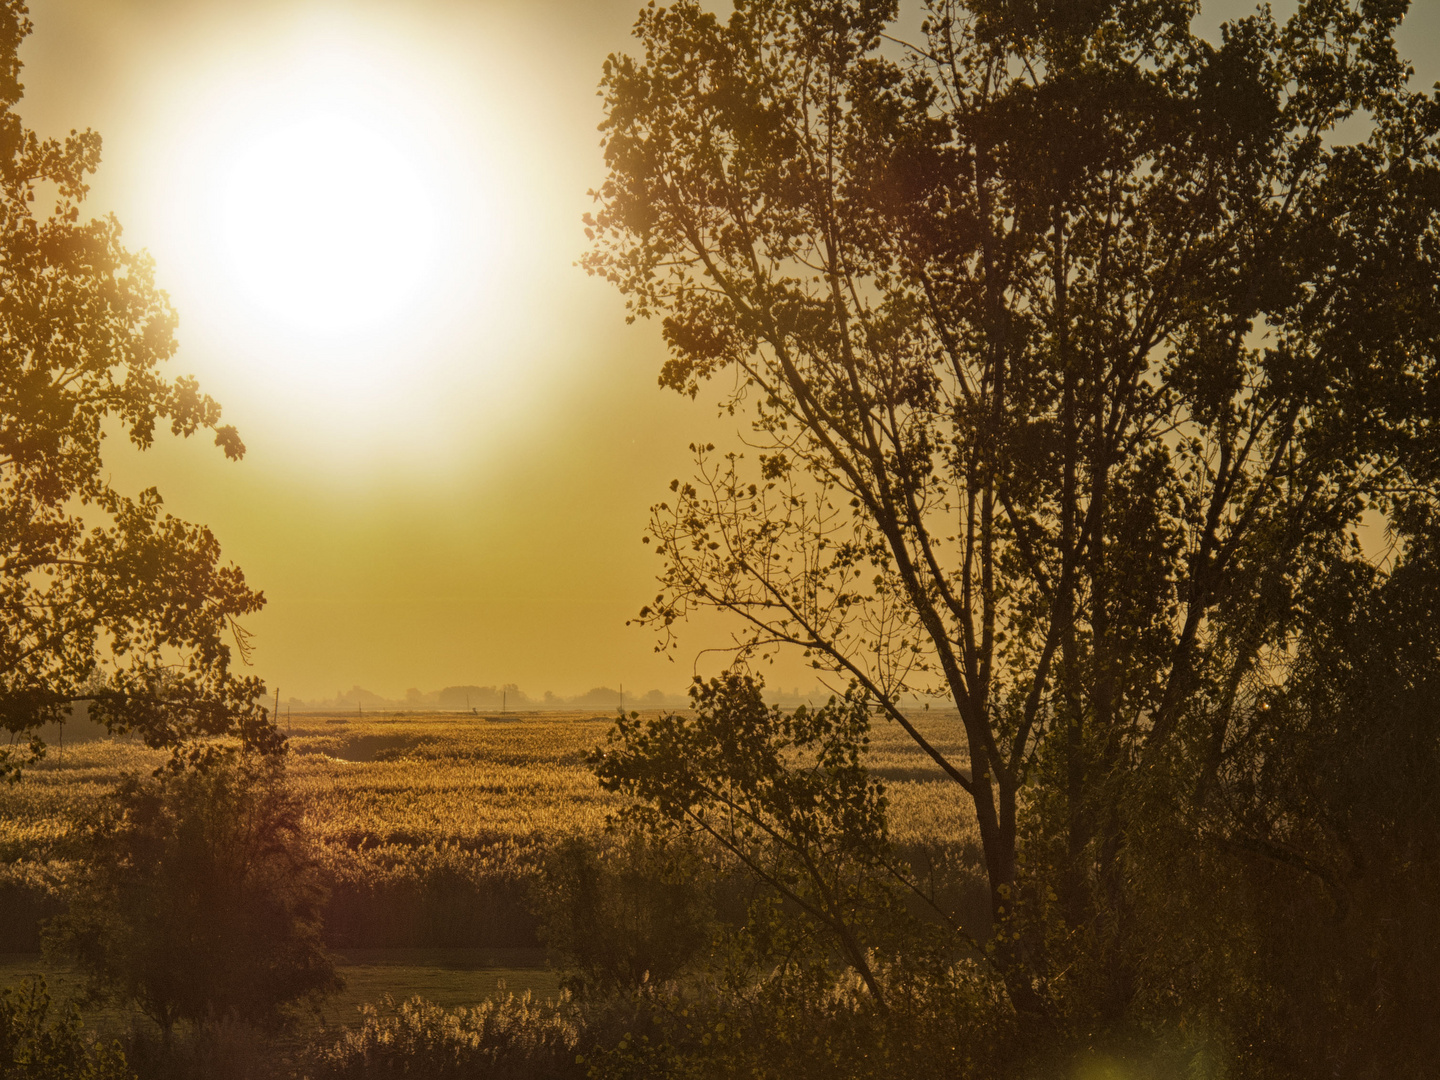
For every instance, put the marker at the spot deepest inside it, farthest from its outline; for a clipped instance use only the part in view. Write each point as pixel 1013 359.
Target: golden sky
pixel 453 437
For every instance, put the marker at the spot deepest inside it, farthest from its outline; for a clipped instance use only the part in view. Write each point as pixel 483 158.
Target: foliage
pixel 809 1024
pixel 198 898
pixel 1324 826
pixel 514 1038
pixel 34 1047
pixel 626 913
pixel 104 598
pixel 1074 348
pixel 228 1049
pixel 786 794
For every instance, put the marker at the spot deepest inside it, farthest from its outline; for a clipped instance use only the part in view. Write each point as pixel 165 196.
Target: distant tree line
pixel 491 699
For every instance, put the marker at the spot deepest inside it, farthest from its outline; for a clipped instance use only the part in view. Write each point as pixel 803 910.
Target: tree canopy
pixel 1084 360
pixel 199 897
pixel 104 597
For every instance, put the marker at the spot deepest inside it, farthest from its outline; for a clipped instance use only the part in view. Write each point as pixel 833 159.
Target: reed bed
pixel 419 807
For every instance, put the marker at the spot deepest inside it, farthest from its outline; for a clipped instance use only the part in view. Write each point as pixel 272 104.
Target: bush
pixel 225 1049
pixel 804 1021
pixel 516 1038
pixel 431 908
pixel 27 898
pixel 199 899
pixel 626 912
pixel 33 1047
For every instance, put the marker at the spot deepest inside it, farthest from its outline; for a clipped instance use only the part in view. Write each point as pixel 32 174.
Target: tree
pixel 787 796
pixel 1074 350
pixel 199 897
pixel 623 914
pixel 1324 826
pixel 104 598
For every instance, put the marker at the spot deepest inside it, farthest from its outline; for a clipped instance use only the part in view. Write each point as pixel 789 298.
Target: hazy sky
pixel 452 488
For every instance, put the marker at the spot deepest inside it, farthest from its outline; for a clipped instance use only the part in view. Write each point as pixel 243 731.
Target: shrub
pixel 625 912
pixel 515 1038
pixel 225 1049
pixel 199 898
pixel 34 1047
pixel 804 1021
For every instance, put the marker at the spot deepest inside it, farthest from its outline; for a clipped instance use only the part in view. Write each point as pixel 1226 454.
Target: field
pixel 431 827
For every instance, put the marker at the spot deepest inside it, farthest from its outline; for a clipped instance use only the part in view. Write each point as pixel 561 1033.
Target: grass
pixel 404 807
pixel 387 793
pixel 390 797
pixel 430 825
pixel 447 977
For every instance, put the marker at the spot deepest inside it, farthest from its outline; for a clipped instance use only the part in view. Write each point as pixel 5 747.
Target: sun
pixel 330 200
pixel 323 201
pixel 351 222
pixel 328 218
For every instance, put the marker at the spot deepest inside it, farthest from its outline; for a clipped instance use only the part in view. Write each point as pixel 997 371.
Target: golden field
pixel 412 798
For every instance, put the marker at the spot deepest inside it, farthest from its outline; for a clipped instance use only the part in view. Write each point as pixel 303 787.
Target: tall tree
pixel 104 598
pixel 1073 347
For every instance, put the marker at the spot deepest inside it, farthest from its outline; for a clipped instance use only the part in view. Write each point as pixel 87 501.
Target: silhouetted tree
pixel 1074 349
pixel 103 597
pixel 624 912
pixel 1306 906
pixel 198 897
pixel 785 794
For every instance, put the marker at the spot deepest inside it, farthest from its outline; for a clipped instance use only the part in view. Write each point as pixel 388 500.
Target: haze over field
pixel 367 216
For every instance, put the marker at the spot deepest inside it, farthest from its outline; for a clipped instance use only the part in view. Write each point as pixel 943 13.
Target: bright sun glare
pixel 352 224
pixel 328 219
pixel 323 196
pixel 332 211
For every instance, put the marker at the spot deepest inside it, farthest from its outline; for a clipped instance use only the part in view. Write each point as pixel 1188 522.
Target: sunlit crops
pixel 402 798
pixel 467 795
